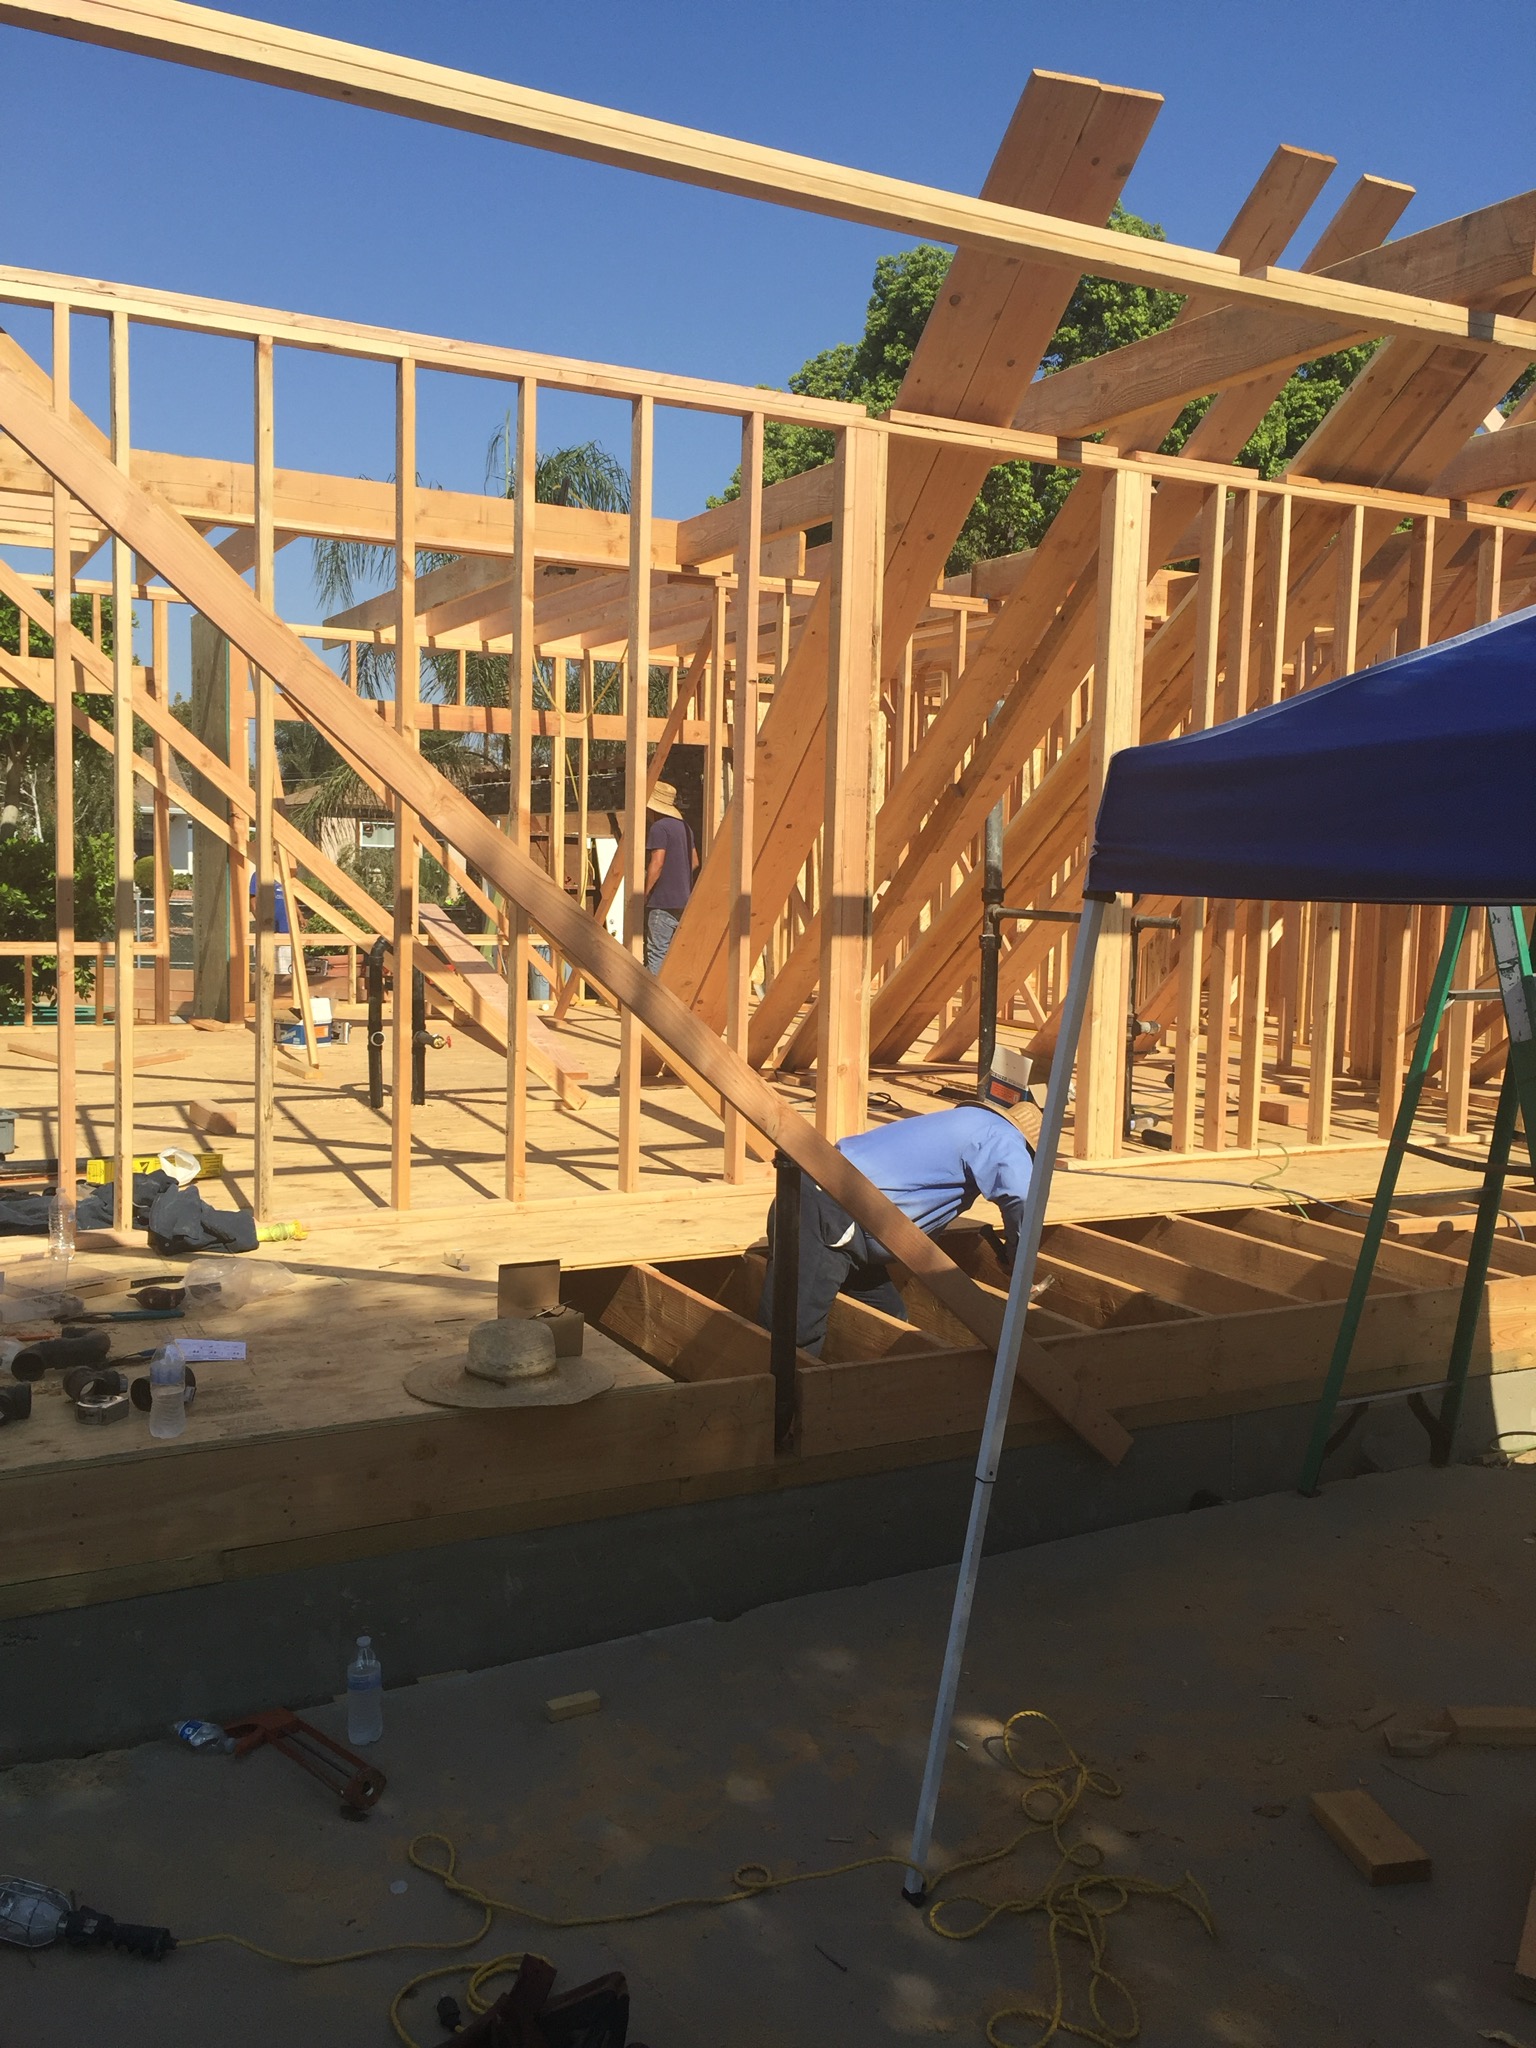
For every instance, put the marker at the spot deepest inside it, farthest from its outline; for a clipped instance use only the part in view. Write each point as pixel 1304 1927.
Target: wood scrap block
pixel 1370 1837
pixel 1417 1731
pixel 1404 1738
pixel 1290 1111
pixel 1494 1727
pixel 1525 1957
pixel 570 1704
pixel 211 1120
pixel 50 1057
pixel 527 1287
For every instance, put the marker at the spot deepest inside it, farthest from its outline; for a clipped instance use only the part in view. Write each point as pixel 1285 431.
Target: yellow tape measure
pixel 102 1172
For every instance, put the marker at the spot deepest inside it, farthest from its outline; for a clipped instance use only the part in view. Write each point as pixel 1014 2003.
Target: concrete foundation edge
pixel 106 1676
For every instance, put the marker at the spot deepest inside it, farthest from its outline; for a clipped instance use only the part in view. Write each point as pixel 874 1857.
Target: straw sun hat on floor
pixel 510 1364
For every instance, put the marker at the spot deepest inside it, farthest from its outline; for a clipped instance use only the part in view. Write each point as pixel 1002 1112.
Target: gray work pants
pixel 836 1257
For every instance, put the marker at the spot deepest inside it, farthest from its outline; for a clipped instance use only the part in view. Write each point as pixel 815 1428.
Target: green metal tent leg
pixel 1386 1188
pixel 1517 1100
pixel 1477 1268
pixel 1512 959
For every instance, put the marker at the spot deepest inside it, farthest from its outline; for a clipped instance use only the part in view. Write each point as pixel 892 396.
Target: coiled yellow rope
pixel 1078 1900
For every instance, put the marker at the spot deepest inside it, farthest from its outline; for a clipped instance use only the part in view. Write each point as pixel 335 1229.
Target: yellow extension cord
pixel 1078 1901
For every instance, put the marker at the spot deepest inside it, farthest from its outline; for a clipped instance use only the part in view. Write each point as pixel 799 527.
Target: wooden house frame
pixel 859 715
pixel 872 712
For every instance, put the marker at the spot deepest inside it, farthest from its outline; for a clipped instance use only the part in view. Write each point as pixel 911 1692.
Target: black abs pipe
pixel 376 954
pixel 419 1038
pixel 786 1293
pixel 991 944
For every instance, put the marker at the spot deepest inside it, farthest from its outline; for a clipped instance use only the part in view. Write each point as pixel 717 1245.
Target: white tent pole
pixel 1025 1255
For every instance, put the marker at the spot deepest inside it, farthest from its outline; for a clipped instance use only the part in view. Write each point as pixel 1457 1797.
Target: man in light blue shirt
pixel 933 1168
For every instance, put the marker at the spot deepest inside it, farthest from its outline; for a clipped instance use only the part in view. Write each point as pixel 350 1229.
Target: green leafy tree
pixel 28 812
pixel 1309 395
pixel 26 736
pixel 27 909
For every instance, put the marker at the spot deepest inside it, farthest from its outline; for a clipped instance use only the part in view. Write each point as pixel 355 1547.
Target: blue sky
pixel 122 167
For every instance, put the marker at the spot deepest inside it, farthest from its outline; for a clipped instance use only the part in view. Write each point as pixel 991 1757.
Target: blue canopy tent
pixel 1410 782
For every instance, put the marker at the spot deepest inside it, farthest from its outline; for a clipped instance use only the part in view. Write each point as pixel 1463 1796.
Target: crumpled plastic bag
pixel 233 1283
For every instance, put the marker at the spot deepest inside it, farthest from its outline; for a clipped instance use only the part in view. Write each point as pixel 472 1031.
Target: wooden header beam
pixel 308 502
pixel 239 47
pixel 315 331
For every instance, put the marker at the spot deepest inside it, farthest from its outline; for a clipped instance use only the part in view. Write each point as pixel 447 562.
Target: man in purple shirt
pixel 932 1167
pixel 671 862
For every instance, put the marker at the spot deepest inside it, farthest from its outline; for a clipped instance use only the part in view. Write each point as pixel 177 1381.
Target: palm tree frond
pixel 338 791
pixel 584 474
pixel 340 566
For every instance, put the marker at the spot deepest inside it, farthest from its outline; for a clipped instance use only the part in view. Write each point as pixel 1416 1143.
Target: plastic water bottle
pixel 167 1392
pixel 204 1735
pixel 365 1695
pixel 61 1228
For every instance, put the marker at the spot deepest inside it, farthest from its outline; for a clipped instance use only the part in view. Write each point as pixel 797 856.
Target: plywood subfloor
pixel 313 1439
pixel 332 1150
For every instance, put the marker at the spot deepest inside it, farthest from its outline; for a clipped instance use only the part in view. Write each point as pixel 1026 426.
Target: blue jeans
pixel 660 928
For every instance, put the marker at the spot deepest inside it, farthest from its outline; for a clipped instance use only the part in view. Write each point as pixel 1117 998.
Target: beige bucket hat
pixel 510 1364
pixel 663 798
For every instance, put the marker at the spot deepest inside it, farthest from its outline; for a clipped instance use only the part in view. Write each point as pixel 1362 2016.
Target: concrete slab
pixel 77 1680
pixel 1215 1664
